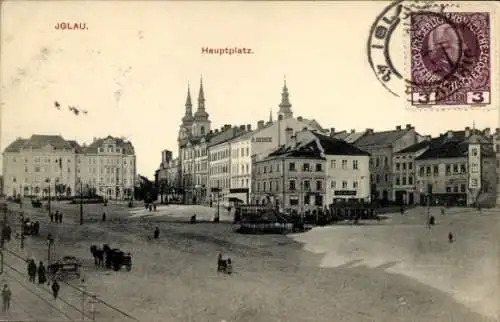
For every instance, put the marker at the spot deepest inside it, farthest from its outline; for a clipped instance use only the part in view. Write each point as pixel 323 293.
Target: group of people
pixel 56 217
pixel 41 271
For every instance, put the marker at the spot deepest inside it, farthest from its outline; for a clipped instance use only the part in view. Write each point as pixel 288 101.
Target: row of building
pixel 295 164
pixel 44 164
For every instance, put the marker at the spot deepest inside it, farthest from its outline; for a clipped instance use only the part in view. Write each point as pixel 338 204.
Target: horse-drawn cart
pixel 65 268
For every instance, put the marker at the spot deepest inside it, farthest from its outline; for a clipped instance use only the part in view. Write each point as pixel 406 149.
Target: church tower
pixel 187 119
pixel 201 125
pixel 285 110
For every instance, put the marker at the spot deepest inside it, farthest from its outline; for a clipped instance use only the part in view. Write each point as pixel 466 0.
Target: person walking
pixel 60 217
pixel 6 295
pixel 56 216
pixel 42 276
pixel 103 216
pixel 55 289
pixel 51 217
pixel 32 271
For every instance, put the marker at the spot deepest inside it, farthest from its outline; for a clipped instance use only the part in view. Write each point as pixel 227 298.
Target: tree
pixel 145 189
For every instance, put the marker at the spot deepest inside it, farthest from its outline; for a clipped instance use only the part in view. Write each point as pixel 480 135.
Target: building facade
pixel 458 169
pixel 167 177
pixel 301 176
pixel 382 146
pixel 46 164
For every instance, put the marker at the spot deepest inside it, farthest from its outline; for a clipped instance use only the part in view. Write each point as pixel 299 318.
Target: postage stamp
pixel 450 58
pixel 438 54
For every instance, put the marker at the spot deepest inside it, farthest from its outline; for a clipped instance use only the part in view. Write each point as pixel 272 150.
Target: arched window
pixel 202 130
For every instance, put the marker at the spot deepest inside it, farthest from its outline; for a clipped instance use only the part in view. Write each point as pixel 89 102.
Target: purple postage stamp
pixel 450 59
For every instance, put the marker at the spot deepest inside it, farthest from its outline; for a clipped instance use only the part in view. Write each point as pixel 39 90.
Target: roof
pixel 381 138
pixel 333 146
pixel 449 145
pixel 76 146
pixel 417 147
pixel 15 146
pixel 309 150
pixel 127 147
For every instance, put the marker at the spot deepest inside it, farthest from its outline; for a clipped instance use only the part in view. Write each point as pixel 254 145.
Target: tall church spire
pixel 201 114
pixel 188 116
pixel 285 106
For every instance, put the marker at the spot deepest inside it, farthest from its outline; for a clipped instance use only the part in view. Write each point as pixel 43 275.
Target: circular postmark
pixel 444 55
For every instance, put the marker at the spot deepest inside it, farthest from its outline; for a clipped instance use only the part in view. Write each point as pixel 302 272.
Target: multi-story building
pixel 496 146
pixel 220 162
pixel 193 149
pixel 302 175
pixel 458 169
pixel 265 138
pixel 404 171
pixel 382 146
pixel 46 164
pixel 167 176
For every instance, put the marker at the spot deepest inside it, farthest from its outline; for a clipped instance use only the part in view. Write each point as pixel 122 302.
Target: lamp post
pixel 22 230
pixel 48 190
pixel 81 203
pixel 50 242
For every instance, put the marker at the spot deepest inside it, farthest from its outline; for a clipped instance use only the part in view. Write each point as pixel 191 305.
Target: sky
pixel 130 68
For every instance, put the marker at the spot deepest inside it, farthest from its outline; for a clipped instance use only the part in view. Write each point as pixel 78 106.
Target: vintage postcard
pixel 230 161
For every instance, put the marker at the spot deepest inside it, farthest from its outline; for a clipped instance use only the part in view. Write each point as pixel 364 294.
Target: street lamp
pixel 81 202
pixel 47 180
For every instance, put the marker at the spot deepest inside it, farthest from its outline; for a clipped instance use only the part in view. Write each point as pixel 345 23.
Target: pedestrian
pixel 31 270
pixel 442 211
pixel 103 216
pixel 6 295
pixel 56 216
pixel 154 206
pixel 51 217
pixel 55 289
pixel 450 237
pixel 156 233
pixel 60 217
pixel 42 277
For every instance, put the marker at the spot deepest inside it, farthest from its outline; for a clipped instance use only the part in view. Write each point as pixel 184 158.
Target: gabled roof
pixel 37 141
pixel 127 147
pixel 381 138
pixel 333 146
pixel 309 150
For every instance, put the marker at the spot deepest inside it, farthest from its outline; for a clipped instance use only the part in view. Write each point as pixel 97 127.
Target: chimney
pixel 299 118
pixel 450 134
pixel 487 132
pixel 467 132
pixel 289 135
pixel 249 127
pixel 353 131
pixel 260 124
pixel 398 127
pixel 408 126
pixel 369 131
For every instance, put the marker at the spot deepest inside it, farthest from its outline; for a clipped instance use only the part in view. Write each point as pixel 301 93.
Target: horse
pixel 98 255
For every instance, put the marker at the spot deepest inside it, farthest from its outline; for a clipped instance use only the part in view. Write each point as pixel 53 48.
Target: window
pixel 410 180
pixel 386 178
pixel 307 199
pixel 344 164
pixel 462 168
pixel 333 184
pixel 333 164
pixel 497 147
pixel 462 188
pixel 318 201
pixel 410 165
pixel 404 166
pixel 474 167
pixel 448 189
pixel 398 181
pixel 318 167
pixel 377 162
pixel 474 152
pixel 385 161
pixel 354 184
pixel 306 167
pixel 291 185
pixel 355 164
pixel 294 201
pixel 455 189
pixel 448 169
pixel 397 166
pixel 319 185
pixel 291 166
pixel 248 151
pixel 455 168
pixel 377 178
pixel 264 186
pixel 421 171
pixel 474 182
pixel 344 184
pixel 37 169
pixel 404 181
pixel 307 185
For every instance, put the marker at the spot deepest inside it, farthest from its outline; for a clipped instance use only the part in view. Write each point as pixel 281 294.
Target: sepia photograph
pixel 250 161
